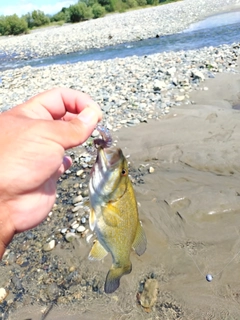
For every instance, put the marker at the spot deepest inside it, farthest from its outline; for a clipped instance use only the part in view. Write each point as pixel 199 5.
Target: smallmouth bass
pixel 114 212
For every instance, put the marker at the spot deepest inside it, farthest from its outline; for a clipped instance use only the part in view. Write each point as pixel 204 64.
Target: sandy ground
pixel 190 209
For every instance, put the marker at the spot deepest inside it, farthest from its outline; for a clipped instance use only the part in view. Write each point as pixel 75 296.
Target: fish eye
pixel 124 172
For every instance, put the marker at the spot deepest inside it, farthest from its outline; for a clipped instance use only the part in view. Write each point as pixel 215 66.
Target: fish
pixel 113 211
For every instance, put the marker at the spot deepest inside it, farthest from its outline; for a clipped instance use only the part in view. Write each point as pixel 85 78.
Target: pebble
pixel 70 236
pixel 151 170
pixel 3 294
pixel 49 245
pixel 149 295
pixel 81 229
pixel 63 230
pixel 77 199
pixel 79 172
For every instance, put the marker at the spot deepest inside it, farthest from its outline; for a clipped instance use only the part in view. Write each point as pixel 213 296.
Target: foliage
pixel 12 25
pixel 98 10
pixel 153 2
pixel 80 12
pixel 131 3
pixel 142 2
pixel 60 16
pixel 36 19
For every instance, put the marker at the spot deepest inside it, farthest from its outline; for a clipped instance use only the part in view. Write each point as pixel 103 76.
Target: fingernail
pixel 88 116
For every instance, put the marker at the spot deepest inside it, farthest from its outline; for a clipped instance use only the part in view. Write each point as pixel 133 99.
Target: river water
pixel 213 31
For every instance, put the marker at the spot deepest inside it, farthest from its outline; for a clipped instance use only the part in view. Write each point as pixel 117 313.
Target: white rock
pixel 49 246
pixel 79 172
pixel 151 170
pixel 81 229
pixel 3 294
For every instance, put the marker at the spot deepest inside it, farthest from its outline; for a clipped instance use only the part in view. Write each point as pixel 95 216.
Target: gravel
pixel 43 265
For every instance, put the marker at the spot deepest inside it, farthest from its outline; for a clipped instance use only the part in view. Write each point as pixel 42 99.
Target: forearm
pixel 6 229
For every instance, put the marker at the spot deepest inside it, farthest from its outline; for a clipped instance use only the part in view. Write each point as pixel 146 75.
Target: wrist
pixel 6 229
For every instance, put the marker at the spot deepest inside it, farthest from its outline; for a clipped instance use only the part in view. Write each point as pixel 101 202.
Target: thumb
pixel 72 133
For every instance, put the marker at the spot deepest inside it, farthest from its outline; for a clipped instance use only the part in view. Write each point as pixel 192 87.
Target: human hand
pixel 33 139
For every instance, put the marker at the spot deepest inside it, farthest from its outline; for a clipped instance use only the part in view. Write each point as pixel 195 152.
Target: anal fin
pixel 98 252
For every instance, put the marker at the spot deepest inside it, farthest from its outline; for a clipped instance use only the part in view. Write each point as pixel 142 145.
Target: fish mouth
pixel 111 156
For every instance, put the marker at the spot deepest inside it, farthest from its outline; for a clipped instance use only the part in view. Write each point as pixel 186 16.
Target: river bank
pixel 173 112
pixel 113 29
pixel 189 205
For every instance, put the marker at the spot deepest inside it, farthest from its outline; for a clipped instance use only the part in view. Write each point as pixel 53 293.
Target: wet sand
pixel 190 209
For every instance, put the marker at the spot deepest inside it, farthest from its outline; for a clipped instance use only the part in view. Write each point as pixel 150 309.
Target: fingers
pixel 57 102
pixel 66 164
pixel 68 134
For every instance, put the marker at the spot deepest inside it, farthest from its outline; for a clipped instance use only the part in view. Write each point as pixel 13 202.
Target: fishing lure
pixel 106 140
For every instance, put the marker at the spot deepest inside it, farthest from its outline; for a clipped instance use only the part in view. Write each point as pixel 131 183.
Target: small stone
pixel 70 236
pixel 63 230
pixel 83 220
pixel 85 193
pixel 179 98
pixel 3 294
pixel 159 85
pixel 77 199
pixel 75 225
pixel 196 74
pixel 79 172
pixel 149 295
pixel 53 291
pixel 49 246
pixel 81 229
pixel 209 277
pixel 75 209
pixel 171 71
pixel 151 170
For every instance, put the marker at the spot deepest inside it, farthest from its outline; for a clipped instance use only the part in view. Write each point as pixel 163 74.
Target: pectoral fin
pixel 97 252
pixel 140 241
pixel 111 215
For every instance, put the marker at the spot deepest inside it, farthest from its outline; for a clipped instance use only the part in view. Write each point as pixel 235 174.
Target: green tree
pixel 131 3
pixel 28 18
pixel 98 10
pixel 60 16
pixel 142 2
pixel 39 18
pixel 80 12
pixel 153 2
pixel 12 25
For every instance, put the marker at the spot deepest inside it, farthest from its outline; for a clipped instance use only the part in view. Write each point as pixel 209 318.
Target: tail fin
pixel 113 277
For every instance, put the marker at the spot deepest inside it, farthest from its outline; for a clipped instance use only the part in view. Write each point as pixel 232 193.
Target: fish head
pixel 109 176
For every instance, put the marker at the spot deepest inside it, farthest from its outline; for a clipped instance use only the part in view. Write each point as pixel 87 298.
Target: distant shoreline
pixel 113 29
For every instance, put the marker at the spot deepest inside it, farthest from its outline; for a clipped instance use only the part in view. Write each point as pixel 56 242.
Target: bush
pixel 36 19
pixel 39 18
pixel 13 25
pixel 80 12
pixel 98 10
pixel 131 3
pixel 153 2
pixel 142 2
pixel 60 16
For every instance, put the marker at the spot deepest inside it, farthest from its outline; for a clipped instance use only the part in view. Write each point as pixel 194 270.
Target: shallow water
pixel 213 31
